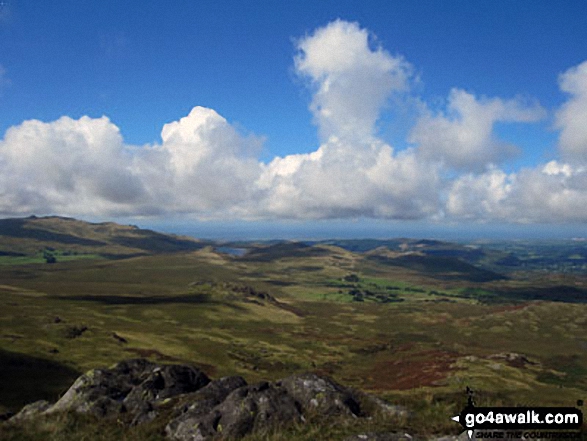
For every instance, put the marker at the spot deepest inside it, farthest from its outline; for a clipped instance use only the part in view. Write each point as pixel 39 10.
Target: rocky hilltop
pixel 198 408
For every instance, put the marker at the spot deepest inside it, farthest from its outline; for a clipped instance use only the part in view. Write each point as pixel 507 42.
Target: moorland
pixel 414 322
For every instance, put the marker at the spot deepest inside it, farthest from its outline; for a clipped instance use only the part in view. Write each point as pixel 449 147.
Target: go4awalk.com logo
pixel 521 422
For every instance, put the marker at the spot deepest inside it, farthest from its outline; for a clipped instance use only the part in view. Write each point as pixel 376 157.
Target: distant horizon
pixel 309 231
pixel 232 231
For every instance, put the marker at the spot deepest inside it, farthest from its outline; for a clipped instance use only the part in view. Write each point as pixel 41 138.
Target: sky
pixel 268 118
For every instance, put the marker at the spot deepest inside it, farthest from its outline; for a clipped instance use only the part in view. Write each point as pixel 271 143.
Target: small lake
pixel 232 251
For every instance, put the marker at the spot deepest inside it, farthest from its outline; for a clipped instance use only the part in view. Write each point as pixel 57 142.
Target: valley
pixel 413 322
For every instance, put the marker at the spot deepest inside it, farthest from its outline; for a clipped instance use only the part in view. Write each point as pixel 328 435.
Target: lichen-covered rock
pixel 167 381
pixel 100 391
pixel 161 383
pixel 259 406
pixel 246 409
pixel 211 395
pixel 242 411
pixel 267 406
pixel 321 394
pixel 31 410
pixel 184 424
pixel 133 386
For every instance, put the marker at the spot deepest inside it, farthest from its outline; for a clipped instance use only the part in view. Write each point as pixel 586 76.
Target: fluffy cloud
pixel 353 173
pixel 555 192
pixel 67 166
pixel 203 165
pixel 550 193
pixel 341 181
pixel 571 119
pixel 83 167
pixel 352 81
pixel 478 196
pixel 463 138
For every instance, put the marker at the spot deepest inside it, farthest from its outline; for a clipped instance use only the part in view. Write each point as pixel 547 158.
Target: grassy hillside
pixel 416 331
pixel 32 238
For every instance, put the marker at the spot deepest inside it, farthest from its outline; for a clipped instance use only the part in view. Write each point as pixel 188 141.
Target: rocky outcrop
pixel 322 395
pixel 31 410
pixel 199 409
pixel 513 359
pixel 133 387
pixel 270 405
pixel 247 408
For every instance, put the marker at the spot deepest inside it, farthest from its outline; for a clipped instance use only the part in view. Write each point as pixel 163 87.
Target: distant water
pixel 232 251
pixel 363 229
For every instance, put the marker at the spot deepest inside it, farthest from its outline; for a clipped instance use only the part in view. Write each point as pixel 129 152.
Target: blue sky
pixel 451 114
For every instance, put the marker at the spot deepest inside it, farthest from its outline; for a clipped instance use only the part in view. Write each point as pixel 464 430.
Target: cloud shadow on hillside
pixel 189 299
pixel 24 379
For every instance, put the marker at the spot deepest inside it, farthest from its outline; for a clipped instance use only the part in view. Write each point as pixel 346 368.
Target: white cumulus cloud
pixel 463 137
pixel 353 173
pixel 202 166
pixel 67 166
pixel 343 180
pixel 554 192
pixel 352 80
pixel 571 118
pixel 83 167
